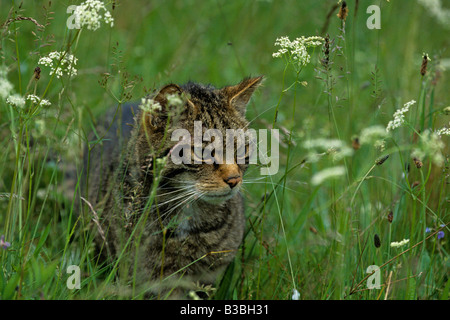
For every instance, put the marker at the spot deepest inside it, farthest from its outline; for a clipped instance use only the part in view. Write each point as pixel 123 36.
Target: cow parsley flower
pixel 443 131
pixel 374 135
pixel 174 100
pixel 149 105
pixel 400 243
pixel 326 174
pixel 437 11
pixel 399 116
pixel 337 149
pixel 295 295
pixel 60 63
pixel 6 87
pixel 16 100
pixel 91 13
pixel 35 100
pixel 430 145
pixel 295 52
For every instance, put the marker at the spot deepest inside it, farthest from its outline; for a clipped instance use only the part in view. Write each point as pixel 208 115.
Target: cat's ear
pixel 169 100
pixel 166 91
pixel 240 94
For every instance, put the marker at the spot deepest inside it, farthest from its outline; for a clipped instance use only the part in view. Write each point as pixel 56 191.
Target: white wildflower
pixel 5 86
pixel 375 136
pixel 16 100
pixel 295 295
pixel 334 147
pixel 444 131
pixel 399 116
pixel 326 174
pixel 399 244
pixel 3 71
pixel 174 100
pixel 296 51
pixel 60 63
pixel 373 133
pixel 436 10
pixel 446 111
pixel 109 19
pixel 35 100
pixel 91 13
pixel 430 145
pixel 149 105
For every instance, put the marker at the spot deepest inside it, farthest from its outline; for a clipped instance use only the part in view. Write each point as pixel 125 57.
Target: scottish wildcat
pixel 175 224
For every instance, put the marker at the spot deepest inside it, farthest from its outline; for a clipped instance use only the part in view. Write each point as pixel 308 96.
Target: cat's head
pixel 185 124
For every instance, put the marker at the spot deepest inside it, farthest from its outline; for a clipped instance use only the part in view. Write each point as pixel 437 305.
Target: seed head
pixel 381 160
pixel 326 51
pixel 37 73
pixel 376 241
pixel 355 143
pixel 418 163
pixel 343 11
pixel 390 216
pixel 423 68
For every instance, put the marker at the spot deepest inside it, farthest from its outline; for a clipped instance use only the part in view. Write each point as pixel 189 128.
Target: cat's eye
pixel 197 155
pixel 243 155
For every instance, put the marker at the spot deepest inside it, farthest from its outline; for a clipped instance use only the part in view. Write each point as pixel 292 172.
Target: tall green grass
pixel 316 239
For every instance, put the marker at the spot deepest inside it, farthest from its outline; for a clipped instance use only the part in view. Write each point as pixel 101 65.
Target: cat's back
pixel 105 150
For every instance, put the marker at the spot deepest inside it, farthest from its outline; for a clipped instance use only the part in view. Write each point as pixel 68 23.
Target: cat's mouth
pixel 219 197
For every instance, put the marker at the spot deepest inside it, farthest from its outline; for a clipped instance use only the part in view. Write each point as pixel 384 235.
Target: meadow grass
pixel 304 232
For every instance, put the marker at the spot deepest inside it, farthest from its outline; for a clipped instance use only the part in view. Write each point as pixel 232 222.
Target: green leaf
pixel 42 240
pixel 444 295
pixel 411 290
pixel 10 288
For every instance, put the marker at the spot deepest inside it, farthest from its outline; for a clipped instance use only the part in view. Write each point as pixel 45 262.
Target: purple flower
pixel 427 230
pixel 440 234
pixel 3 244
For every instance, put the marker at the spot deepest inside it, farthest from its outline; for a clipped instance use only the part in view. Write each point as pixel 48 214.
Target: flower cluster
pixel 89 15
pixel 5 86
pixel 326 174
pixel 334 147
pixel 439 235
pixel 174 100
pixel 399 116
pixel 4 244
pixel 399 244
pixel 16 100
pixel 437 11
pixel 430 145
pixel 60 63
pixel 443 131
pixel 36 100
pixel 295 51
pixel 149 105
pixel 374 135
pixel 295 295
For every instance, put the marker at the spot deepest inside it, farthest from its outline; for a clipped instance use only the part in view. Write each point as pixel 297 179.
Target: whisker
pixel 273 184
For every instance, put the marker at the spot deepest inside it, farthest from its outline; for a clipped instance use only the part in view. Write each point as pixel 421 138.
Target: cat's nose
pixel 230 174
pixel 233 181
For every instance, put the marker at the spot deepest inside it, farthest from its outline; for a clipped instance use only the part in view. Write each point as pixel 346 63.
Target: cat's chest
pixel 189 216
pixel 195 219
